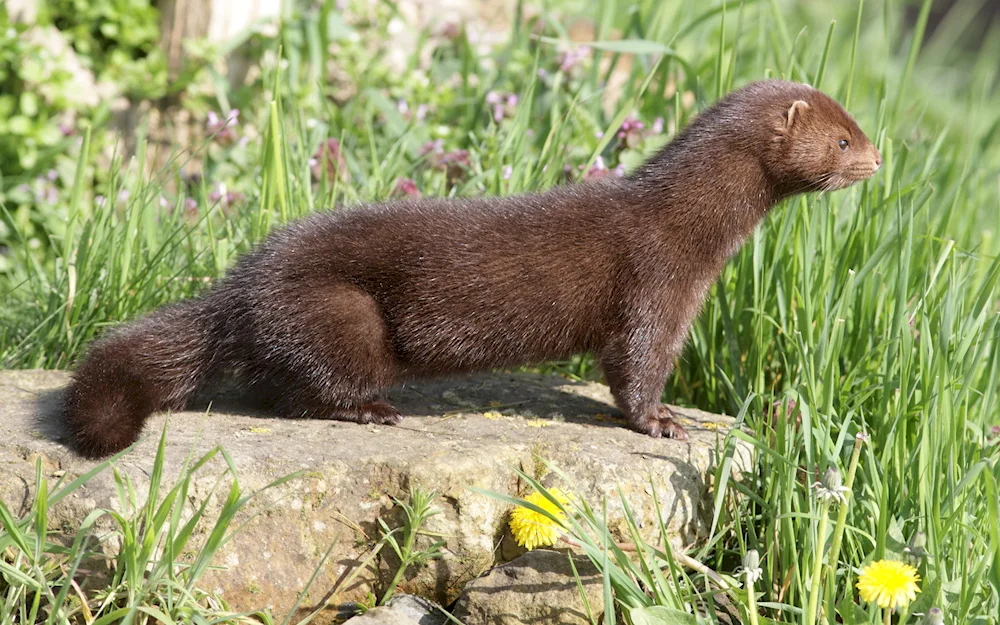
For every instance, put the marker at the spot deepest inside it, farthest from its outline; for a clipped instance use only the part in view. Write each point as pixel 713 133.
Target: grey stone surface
pixel 381 616
pixel 421 611
pixel 461 433
pixel 537 587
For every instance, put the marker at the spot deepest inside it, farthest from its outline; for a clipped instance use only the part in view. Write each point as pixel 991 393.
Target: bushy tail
pixel 155 363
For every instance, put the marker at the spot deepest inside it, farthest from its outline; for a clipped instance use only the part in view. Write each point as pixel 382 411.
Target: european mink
pixel 329 311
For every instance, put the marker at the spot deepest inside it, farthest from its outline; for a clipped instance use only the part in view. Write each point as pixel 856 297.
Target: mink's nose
pixel 878 158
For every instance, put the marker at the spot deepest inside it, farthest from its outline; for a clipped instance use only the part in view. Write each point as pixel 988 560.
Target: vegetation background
pixel 871 310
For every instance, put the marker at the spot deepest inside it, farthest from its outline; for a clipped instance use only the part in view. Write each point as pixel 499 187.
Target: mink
pixel 326 313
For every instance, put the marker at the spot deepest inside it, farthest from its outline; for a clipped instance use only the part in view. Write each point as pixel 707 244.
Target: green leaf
pixel 336 27
pixel 29 104
pixel 850 612
pixel 19 125
pixel 660 615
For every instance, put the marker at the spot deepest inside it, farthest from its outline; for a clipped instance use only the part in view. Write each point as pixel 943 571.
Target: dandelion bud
pixel 832 488
pixel 917 547
pixel 832 480
pixel 934 616
pixel 751 566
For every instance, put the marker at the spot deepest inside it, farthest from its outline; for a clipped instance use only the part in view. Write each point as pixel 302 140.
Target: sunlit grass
pixel 873 309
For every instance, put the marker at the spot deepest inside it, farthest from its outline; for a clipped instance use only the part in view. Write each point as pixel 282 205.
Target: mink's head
pixel 814 144
pixel 785 136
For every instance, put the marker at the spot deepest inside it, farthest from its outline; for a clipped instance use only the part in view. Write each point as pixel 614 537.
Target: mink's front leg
pixel 636 364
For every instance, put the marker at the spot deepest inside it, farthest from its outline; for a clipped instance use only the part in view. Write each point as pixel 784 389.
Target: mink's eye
pixel 843 144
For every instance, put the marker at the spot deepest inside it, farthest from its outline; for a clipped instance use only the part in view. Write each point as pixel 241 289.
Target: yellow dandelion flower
pixel 888 583
pixel 532 529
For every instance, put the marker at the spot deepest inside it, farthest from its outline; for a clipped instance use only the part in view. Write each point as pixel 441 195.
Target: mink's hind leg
pixel 328 356
pixel 636 375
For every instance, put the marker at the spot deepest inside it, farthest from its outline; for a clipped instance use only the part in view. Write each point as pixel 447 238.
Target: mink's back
pixel 462 284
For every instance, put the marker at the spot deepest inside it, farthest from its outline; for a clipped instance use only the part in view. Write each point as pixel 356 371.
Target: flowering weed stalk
pixel 752 572
pixel 809 616
pixel 418 509
pixel 828 492
pixel 838 531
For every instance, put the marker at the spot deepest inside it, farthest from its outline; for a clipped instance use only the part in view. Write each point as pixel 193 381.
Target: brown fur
pixel 331 310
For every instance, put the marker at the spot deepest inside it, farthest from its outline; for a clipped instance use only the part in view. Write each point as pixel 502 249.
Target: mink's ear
pixel 793 115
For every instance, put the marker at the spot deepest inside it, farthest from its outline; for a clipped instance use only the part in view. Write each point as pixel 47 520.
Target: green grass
pixel 155 573
pixel 162 543
pixel 873 309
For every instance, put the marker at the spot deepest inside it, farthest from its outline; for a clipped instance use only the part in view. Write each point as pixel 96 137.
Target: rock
pixel 461 433
pixel 419 610
pixel 382 615
pixel 538 587
pixel 402 610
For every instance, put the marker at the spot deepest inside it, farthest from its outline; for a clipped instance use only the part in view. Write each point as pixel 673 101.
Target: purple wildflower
pixel 631 132
pixel 329 153
pixel 657 125
pixel 100 201
pixel 404 109
pixel 776 411
pixel 451 30
pixel 573 58
pixel 52 175
pixel 504 104
pixel 507 172
pixel 222 129
pixel 48 194
pixel 405 187
pixel 597 170
pixel 223 195
pixel 455 163
pixel 432 148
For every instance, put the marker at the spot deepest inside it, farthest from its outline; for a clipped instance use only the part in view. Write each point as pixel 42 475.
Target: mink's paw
pixel 662 425
pixel 377 412
pixel 669 426
pixel 380 412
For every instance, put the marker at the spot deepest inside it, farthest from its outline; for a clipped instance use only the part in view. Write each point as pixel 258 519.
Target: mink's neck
pixel 707 192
